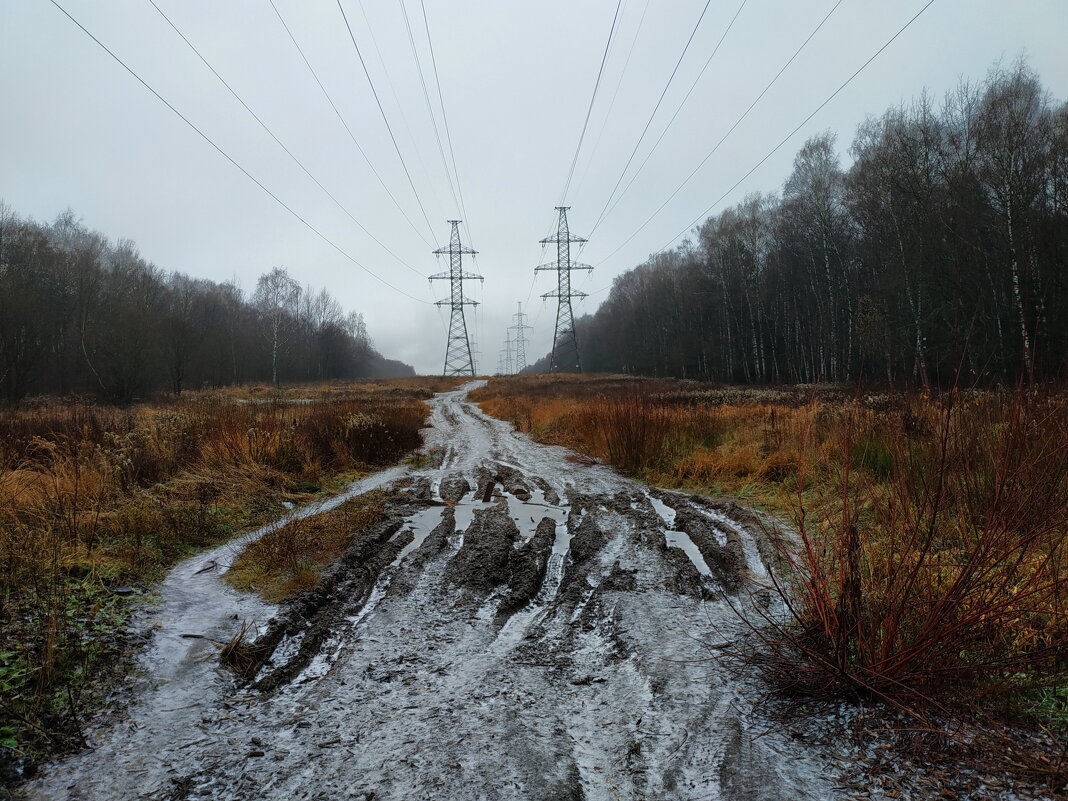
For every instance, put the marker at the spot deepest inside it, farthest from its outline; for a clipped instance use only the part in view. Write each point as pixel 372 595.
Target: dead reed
pixel 291 558
pixel 933 565
pixel 96 497
pixel 930 572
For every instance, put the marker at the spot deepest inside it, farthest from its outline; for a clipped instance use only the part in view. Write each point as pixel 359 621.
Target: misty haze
pixel 625 399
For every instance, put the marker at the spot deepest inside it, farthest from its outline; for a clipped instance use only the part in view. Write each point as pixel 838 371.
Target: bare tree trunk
pixel 1016 291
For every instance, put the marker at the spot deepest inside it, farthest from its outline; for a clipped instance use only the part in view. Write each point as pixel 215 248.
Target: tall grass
pixel 945 579
pixel 291 558
pixel 95 497
pixel 931 566
pixel 672 432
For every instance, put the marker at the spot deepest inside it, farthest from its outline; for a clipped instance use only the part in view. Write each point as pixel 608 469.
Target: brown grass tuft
pixel 290 558
pixel 240 654
pixel 92 497
pixel 932 572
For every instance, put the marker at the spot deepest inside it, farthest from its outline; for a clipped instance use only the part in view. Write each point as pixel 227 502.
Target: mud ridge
pixel 316 614
pixel 483 562
pixel 454 488
pixel 727 562
pixel 527 568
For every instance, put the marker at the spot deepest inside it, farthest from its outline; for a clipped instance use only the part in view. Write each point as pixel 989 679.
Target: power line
pixel 458 357
pixel 504 359
pixel 429 107
pixel 345 125
pixel 605 212
pixel 532 282
pixel 520 339
pixel 396 99
pixel 445 119
pixel 593 97
pixel 660 100
pixel 229 158
pixel 565 354
pixel 382 111
pixel 279 142
pixel 746 113
pixel 615 94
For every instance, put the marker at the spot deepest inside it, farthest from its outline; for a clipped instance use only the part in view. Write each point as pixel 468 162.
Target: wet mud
pixel 523 626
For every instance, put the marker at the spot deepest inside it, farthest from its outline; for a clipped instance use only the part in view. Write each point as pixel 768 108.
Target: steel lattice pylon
pixel 458 356
pixel 504 361
pixel 565 355
pixel 520 339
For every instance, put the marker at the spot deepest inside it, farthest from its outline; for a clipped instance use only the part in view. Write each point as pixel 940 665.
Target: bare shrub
pixel 941 584
pixel 94 497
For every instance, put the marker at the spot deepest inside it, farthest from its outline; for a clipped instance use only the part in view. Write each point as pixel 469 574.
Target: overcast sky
pixel 77 130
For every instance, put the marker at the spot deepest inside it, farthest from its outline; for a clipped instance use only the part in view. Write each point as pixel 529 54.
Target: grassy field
pixel 96 502
pixel 931 568
pixel 291 558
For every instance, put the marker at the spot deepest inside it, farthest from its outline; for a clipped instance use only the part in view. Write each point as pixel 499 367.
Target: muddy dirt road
pixel 545 638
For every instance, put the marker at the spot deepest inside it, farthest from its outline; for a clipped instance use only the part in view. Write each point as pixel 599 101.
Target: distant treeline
pixel 942 248
pixel 80 314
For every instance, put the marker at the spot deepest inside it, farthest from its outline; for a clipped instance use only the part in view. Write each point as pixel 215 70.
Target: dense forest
pixel 80 314
pixel 940 249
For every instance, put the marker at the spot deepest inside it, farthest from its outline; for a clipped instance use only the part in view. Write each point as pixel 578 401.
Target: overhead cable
pixel 445 119
pixel 382 111
pixel 279 142
pixel 345 125
pixel 229 158
pixel 608 210
pixel 777 147
pixel 593 97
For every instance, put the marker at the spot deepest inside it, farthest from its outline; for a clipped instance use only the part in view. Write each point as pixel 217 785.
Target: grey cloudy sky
pixel 77 130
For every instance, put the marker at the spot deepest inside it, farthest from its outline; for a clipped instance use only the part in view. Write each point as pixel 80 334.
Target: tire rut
pixel 520 628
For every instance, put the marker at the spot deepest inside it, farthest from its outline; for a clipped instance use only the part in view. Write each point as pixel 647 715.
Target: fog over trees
pixel 942 247
pixel 80 314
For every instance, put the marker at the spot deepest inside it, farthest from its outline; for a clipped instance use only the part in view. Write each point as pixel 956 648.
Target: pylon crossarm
pixel 574 293
pixel 558 239
pixel 461 275
pixel 552 267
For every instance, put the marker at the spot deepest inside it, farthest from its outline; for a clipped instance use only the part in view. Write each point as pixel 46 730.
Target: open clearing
pixel 551 637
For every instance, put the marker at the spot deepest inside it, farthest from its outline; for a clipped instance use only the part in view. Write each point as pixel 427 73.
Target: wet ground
pixel 525 626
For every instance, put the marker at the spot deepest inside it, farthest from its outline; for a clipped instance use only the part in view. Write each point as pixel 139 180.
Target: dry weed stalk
pixel 931 567
pixel 92 497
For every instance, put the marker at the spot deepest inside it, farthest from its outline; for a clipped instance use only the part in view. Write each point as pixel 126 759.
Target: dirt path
pixel 547 643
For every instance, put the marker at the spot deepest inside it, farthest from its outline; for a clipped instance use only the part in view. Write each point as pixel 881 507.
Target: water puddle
pixel 420 524
pixel 753 561
pixel 667 514
pixel 679 539
pixel 525 514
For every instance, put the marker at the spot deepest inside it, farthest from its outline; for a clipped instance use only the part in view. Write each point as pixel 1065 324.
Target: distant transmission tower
pixel 505 364
pixel 476 356
pixel 459 359
pixel 520 339
pixel 565 355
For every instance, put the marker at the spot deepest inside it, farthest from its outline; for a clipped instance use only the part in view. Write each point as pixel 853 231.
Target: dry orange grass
pixel 95 496
pixel 291 558
pixel 679 434
pixel 934 562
